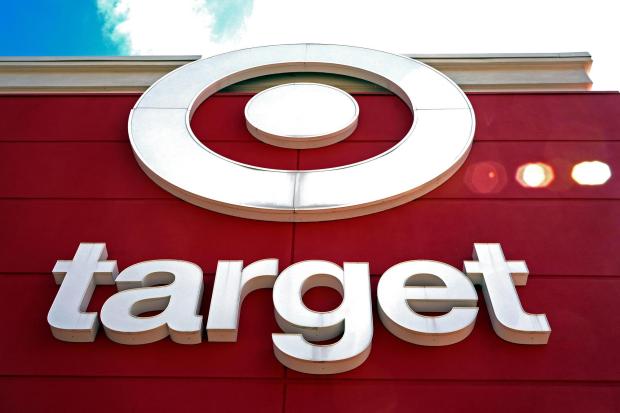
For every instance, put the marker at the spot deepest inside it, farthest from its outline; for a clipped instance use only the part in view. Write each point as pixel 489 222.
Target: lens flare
pixel 486 177
pixel 591 173
pixel 535 175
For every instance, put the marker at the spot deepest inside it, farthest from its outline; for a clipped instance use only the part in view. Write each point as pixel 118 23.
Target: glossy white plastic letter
pixel 498 278
pixel 352 318
pixel 77 278
pixel 427 286
pixel 170 286
pixel 232 284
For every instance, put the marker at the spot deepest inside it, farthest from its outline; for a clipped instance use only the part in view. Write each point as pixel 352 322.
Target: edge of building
pixel 524 72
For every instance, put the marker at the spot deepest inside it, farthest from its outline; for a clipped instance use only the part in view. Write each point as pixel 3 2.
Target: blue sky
pixel 207 27
pixel 56 28
pixel 86 27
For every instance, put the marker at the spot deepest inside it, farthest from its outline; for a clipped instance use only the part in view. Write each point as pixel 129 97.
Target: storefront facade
pixel 69 176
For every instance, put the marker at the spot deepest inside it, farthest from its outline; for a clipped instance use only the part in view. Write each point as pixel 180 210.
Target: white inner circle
pixel 301 111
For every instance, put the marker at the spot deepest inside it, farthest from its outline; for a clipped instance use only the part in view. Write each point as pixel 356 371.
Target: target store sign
pixel 407 292
pixel 300 116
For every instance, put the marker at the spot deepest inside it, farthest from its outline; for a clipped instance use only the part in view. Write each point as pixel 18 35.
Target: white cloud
pixel 475 26
pixel 158 26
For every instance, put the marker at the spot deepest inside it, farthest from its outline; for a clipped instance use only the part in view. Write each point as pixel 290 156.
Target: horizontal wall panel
pixel 109 169
pixel 490 170
pixel 135 395
pixel 554 237
pixel 566 116
pixel 371 396
pixel 65 117
pixel 547 116
pixel 36 233
pixel 73 170
pixel 103 169
pixel 381 117
pixel 34 351
pixel 500 116
pixel 582 345
pixel 221 117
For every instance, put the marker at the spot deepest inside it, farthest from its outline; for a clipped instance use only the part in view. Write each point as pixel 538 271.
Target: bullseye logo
pixel 301 116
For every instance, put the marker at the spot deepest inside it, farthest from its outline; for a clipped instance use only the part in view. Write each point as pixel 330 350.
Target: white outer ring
pixel 433 149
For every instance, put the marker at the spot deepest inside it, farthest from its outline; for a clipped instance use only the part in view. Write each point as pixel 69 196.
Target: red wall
pixel 67 175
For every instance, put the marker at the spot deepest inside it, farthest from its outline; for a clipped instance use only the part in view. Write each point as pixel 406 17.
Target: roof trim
pixel 495 72
pixel 187 58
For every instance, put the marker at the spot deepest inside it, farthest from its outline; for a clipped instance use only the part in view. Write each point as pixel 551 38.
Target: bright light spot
pixel 485 177
pixel 591 173
pixel 535 175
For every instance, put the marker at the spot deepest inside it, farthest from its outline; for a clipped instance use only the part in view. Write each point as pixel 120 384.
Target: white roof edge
pixel 497 55
pixel 488 72
pixel 139 58
pixel 167 58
